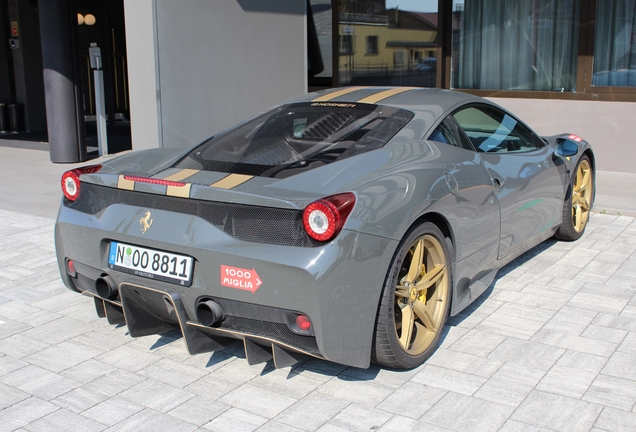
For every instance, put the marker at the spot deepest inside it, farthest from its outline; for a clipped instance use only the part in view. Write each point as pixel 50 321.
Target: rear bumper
pixel 336 285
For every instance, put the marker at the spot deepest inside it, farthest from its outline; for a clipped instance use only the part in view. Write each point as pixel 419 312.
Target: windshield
pixel 298 137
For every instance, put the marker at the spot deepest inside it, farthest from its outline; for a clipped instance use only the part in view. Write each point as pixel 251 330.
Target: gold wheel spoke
pixel 431 277
pixel 582 203
pixel 578 218
pixel 422 312
pixel 420 343
pixel 401 291
pixel 408 320
pixel 416 262
pixel 584 180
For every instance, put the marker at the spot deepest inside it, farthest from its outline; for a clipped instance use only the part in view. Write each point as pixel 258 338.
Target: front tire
pixel 578 204
pixel 415 300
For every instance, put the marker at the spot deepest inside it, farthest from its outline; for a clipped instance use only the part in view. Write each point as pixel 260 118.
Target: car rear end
pixel 233 240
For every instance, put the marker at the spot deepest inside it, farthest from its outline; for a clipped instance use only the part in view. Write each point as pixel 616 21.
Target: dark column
pixel 27 65
pixel 64 112
pixel 6 96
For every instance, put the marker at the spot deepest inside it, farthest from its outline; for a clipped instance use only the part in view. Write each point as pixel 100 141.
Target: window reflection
pixel 492 130
pixel 515 45
pixel 321 14
pixel 615 43
pixel 391 43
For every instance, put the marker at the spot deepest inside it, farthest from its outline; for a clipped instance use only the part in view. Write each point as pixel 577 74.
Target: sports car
pixel 346 225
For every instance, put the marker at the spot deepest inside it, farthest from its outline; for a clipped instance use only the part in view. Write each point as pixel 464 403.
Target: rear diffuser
pixel 150 311
pixel 147 311
pixel 260 349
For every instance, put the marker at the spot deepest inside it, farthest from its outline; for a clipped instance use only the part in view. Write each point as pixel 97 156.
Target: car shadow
pixel 325 368
pixel 505 270
pixel 167 338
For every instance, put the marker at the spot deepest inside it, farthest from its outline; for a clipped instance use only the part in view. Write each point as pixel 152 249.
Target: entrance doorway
pixel 102 23
pixel 53 38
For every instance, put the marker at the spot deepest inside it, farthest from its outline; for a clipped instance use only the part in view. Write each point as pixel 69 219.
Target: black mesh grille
pixel 243 309
pixel 243 222
pixel 84 283
pixel 276 331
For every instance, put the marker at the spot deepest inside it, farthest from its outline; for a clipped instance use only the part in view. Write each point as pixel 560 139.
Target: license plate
pixel 151 263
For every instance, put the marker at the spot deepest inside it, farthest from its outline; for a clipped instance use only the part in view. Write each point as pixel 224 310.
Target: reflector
pixel 303 323
pixel 154 181
pixel 70 268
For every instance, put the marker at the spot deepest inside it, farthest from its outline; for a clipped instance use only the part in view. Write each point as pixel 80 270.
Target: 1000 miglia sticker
pixel 240 278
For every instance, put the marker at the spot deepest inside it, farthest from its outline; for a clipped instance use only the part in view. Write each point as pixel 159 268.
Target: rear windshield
pixel 298 137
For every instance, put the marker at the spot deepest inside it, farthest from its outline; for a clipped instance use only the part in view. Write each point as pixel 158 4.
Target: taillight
pixel 71 182
pixel 323 219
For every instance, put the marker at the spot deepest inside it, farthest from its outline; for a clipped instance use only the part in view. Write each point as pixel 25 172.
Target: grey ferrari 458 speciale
pixel 346 225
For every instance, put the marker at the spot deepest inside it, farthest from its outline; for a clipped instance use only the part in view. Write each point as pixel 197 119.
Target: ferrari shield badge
pixel 145 222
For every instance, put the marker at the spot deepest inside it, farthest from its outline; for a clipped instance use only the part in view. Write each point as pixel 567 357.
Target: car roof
pixel 411 98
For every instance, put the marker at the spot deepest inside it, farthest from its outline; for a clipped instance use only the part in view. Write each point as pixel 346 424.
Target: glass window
pixel 346 44
pixel 515 45
pixel 615 43
pixel 444 134
pixel 298 137
pixel 319 42
pixel 401 35
pixel 448 133
pixel 372 44
pixel 493 130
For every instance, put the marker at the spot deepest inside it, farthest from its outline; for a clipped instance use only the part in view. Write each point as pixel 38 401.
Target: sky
pixel 416 5
pixel 413 5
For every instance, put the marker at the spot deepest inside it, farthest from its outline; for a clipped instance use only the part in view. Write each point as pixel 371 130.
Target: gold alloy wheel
pixel 421 295
pixel 582 195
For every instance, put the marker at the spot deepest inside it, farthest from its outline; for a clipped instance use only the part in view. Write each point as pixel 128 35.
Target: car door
pixel 523 172
pixel 472 200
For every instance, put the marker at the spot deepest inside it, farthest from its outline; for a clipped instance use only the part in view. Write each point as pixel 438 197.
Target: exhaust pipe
pixel 209 312
pixel 106 287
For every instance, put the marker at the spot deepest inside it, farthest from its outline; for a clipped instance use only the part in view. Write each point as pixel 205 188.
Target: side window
pixel 444 135
pixel 447 133
pixel 493 130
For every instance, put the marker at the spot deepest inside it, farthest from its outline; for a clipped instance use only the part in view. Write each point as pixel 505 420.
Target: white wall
pixel 216 62
pixel 609 126
pixel 143 77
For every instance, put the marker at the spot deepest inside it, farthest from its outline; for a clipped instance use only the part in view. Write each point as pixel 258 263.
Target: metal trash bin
pixel 4 118
pixel 16 118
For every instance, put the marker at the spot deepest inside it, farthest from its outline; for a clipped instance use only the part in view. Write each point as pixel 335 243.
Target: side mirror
pixel 566 147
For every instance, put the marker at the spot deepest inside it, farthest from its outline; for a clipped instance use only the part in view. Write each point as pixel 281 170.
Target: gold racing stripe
pixel 181 175
pixel 231 181
pixel 333 95
pixel 179 191
pixel 122 183
pixel 375 98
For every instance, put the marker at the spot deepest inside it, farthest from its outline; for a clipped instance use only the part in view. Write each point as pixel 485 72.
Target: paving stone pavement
pixel 550 346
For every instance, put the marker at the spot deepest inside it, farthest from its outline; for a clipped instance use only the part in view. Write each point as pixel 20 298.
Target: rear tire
pixel 578 203
pixel 415 300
